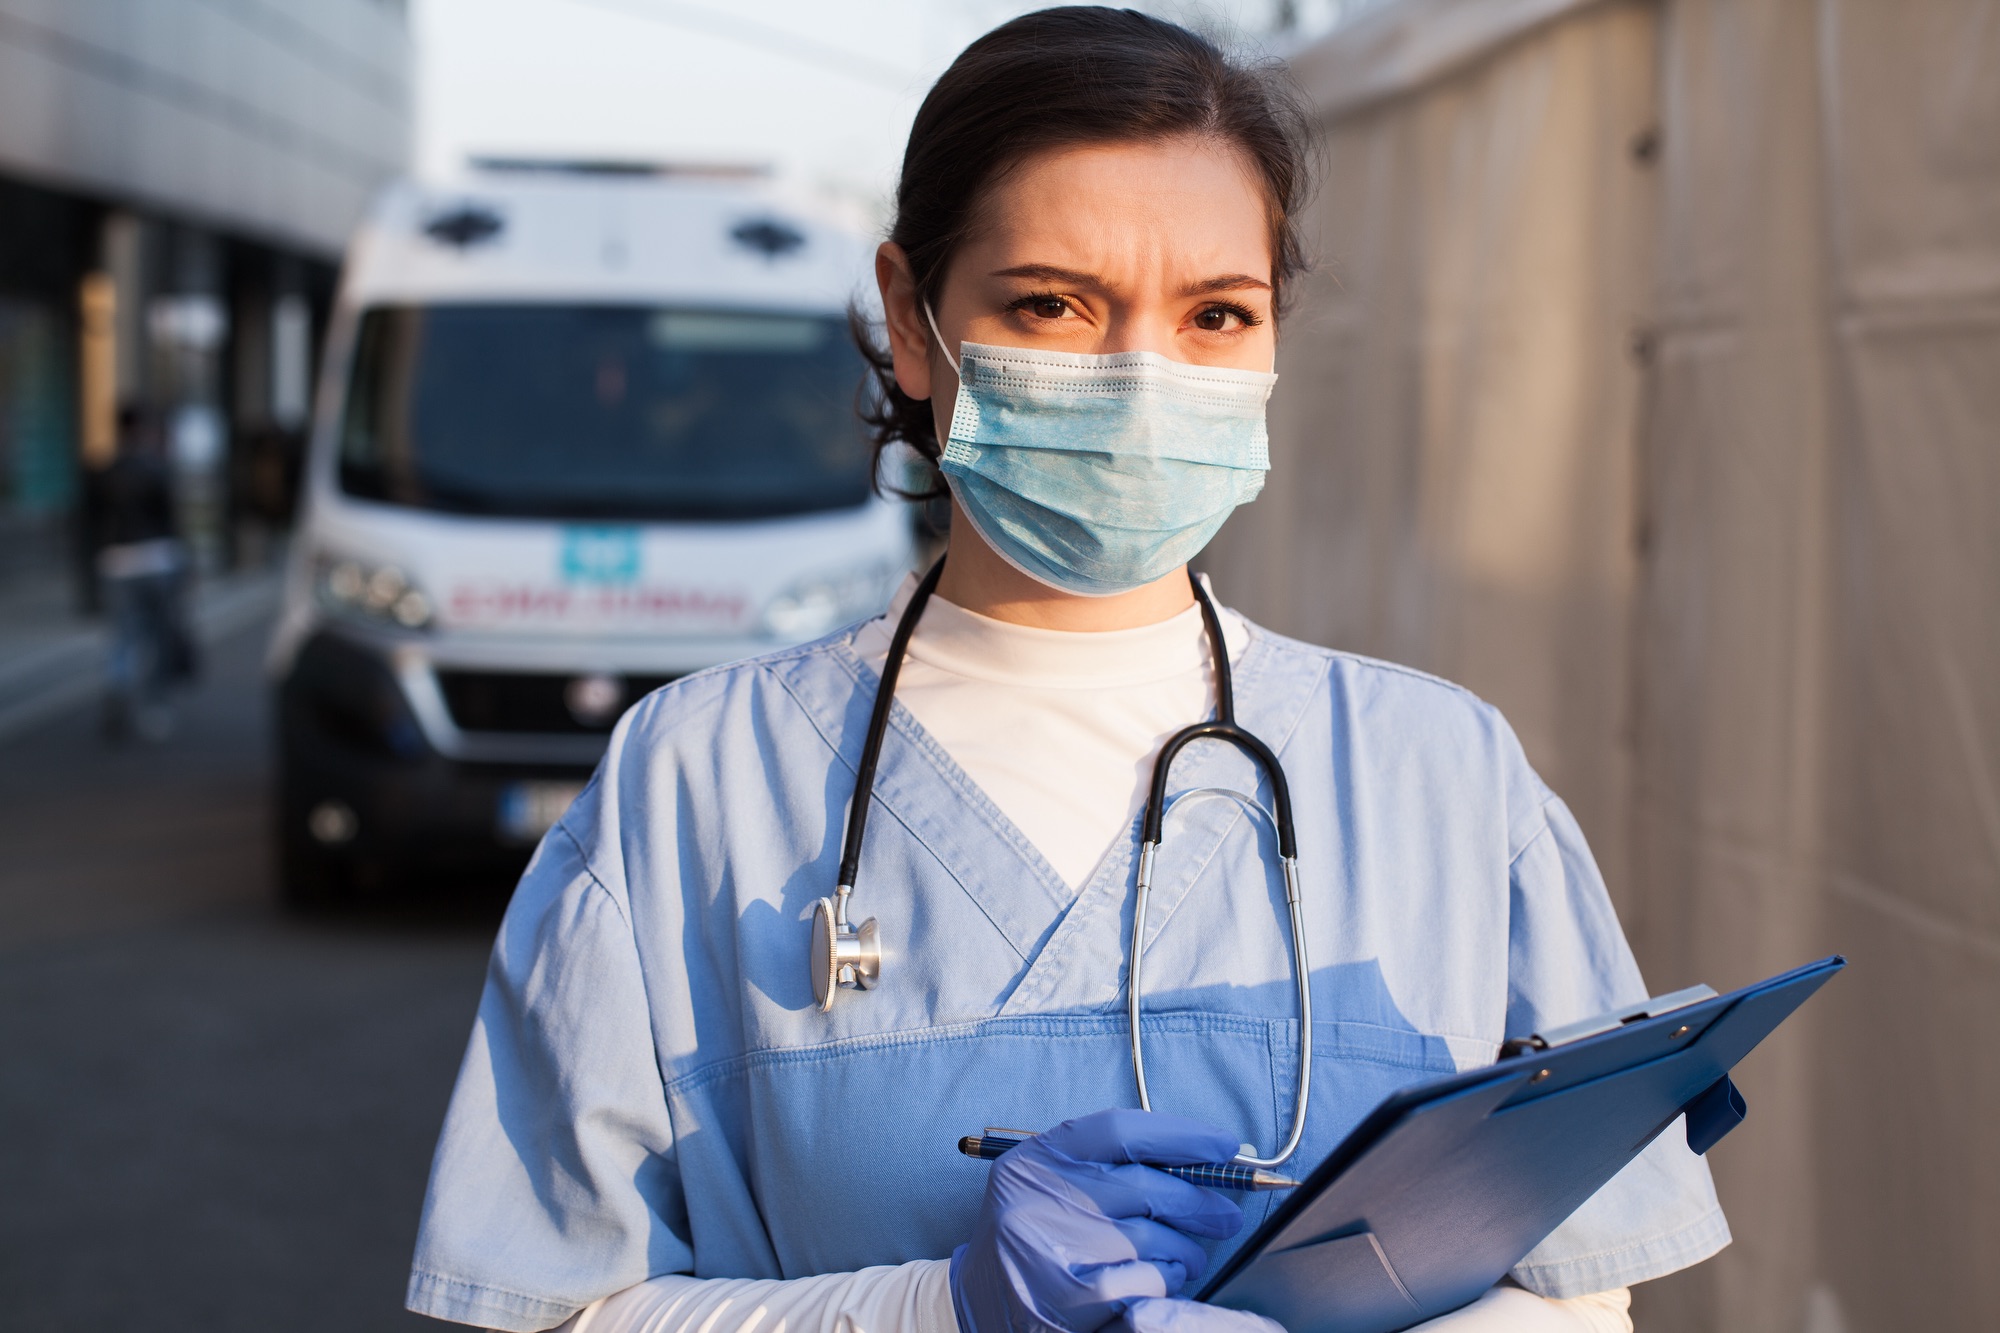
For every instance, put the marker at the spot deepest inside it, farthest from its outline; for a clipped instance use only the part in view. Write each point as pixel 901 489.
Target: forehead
pixel 1176 204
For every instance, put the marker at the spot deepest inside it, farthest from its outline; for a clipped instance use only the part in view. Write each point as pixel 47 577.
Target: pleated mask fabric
pixel 1099 474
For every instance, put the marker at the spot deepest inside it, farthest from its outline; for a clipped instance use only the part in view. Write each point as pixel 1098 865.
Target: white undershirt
pixel 1059 729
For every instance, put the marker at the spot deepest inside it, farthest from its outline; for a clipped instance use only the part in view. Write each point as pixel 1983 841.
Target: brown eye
pixel 1048 307
pixel 1215 319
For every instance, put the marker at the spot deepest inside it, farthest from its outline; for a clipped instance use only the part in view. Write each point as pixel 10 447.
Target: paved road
pixel 212 1116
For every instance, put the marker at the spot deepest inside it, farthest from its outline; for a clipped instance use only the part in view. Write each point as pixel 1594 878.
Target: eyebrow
pixel 1223 282
pixel 1227 282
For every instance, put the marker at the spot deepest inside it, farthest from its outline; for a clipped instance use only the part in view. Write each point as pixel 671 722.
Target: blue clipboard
pixel 1447 1184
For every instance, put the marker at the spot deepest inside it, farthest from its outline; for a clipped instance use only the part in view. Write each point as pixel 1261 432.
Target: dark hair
pixel 1058 78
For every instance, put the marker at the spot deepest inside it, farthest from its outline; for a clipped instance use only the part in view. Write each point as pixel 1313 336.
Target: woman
pixel 660 1119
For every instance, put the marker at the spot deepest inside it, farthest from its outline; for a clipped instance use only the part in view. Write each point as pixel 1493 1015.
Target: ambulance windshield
pixel 602 411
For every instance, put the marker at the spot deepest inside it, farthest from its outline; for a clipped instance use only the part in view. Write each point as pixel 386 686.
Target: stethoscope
pixel 845 956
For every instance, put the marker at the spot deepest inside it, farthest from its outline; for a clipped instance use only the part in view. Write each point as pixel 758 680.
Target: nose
pixel 1138 331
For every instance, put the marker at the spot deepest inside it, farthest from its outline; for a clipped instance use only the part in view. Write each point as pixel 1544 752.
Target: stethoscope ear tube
pixel 1152 834
pixel 1301 966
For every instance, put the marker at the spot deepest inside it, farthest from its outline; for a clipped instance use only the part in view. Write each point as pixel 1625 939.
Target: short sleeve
pixel 554 1181
pixel 1568 959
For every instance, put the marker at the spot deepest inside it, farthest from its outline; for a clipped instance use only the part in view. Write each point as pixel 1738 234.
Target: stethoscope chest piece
pixel 845 956
pixel 842 955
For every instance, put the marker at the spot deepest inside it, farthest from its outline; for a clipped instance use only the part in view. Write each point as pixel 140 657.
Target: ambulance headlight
pixel 363 590
pixel 812 606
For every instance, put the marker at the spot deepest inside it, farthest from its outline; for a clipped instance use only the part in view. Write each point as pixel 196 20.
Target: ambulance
pixel 579 432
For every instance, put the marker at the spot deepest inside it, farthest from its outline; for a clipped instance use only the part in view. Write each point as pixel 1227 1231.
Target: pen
pixel 1215 1175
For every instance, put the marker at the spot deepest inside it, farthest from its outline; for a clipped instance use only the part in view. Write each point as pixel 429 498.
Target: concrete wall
pixel 1818 736
pixel 1649 388
pixel 269 119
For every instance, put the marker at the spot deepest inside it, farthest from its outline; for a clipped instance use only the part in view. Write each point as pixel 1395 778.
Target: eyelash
pixel 1250 319
pixel 1034 299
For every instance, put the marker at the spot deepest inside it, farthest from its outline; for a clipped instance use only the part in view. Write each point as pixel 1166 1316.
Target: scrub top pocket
pixel 867 1130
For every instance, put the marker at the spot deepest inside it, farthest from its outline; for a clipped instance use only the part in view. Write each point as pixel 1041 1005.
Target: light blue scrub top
pixel 650 1089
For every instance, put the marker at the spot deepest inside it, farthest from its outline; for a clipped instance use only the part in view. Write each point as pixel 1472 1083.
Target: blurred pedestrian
pixel 142 565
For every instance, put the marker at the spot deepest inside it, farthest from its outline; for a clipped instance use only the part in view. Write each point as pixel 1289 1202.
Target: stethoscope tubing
pixel 1260 754
pixel 1152 833
pixel 878 724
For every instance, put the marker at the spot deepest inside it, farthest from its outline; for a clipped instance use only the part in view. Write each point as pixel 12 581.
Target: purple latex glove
pixel 1073 1230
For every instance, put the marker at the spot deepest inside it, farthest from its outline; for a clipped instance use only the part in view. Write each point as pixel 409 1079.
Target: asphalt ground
pixel 213 1115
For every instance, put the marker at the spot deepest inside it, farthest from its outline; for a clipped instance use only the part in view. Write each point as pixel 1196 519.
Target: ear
pixel 909 333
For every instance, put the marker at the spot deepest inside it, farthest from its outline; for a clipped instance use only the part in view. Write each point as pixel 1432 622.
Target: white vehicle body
pixel 587 606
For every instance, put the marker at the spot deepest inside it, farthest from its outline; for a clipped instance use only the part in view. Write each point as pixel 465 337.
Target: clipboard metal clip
pixel 1607 1022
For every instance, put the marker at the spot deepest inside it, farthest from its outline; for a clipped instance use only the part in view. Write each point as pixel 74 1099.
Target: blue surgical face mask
pixel 1100 474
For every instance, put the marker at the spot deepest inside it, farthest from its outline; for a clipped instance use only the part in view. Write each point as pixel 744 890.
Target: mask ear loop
pixel 931 319
pixel 958 379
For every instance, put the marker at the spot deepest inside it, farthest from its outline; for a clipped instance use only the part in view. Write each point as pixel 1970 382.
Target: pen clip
pixel 1018 1135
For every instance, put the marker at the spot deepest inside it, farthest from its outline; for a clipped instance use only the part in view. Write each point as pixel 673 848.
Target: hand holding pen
pixel 1071 1234
pixel 992 1142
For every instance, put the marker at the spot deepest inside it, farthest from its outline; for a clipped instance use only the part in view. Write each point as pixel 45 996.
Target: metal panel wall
pixel 1741 593
pixel 1454 429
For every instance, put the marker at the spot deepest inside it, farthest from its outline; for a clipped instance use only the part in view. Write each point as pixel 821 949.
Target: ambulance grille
pixel 518 702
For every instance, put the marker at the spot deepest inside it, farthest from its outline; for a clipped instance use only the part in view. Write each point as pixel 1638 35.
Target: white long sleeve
pixel 916 1298
pixel 901 1298
pixel 1509 1309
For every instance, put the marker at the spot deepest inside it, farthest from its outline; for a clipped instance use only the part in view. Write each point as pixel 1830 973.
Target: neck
pixel 976 579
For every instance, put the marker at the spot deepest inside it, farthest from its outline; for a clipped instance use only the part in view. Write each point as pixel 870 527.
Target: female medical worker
pixel 658 1121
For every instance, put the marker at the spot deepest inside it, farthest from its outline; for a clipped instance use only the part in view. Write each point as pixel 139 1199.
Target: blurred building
pixel 1650 387
pixel 176 180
